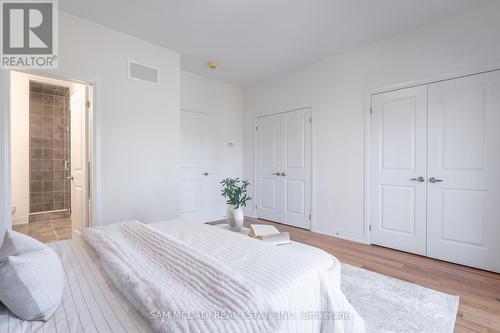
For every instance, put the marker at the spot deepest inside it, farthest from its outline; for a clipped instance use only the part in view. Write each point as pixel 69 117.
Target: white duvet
pixel 187 277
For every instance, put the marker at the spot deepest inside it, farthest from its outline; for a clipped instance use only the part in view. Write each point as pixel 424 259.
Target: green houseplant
pixel 234 191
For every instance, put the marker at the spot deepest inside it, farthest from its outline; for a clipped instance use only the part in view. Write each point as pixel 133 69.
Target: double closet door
pixel 436 170
pixel 283 160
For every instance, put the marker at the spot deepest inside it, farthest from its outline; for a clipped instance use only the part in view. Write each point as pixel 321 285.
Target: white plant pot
pixel 234 217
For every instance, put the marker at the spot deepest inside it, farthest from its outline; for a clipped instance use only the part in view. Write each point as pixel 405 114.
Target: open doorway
pixel 50 156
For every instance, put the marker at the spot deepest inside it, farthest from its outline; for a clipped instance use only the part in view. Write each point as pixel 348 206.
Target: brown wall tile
pixel 36 197
pixel 47 99
pixel 36 153
pixel 35 97
pixel 49 147
pixel 36 187
pixel 35 165
pixel 59 185
pixel 35 175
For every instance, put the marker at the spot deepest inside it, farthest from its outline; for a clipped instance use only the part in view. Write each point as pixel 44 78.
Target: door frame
pixel 313 156
pixel 93 141
pixel 369 93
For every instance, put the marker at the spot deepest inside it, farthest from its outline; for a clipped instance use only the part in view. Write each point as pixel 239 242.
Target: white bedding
pixel 166 278
pixel 300 283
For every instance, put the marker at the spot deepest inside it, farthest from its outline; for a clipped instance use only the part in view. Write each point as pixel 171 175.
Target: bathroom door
pixel 78 158
pixel 196 178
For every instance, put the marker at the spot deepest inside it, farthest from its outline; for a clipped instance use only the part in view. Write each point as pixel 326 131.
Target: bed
pixel 92 303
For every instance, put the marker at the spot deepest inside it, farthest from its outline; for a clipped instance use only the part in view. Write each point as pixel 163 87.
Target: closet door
pixel 464 171
pixel 296 170
pixel 399 157
pixel 269 160
pixel 284 168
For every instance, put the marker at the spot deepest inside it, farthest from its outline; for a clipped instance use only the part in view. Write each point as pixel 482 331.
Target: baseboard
pixel 342 235
pixel 20 220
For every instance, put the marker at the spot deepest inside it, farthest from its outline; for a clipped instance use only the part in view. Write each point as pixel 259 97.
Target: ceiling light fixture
pixel 213 64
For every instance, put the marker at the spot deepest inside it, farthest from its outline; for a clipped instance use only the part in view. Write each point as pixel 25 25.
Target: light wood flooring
pixel 46 231
pixel 479 290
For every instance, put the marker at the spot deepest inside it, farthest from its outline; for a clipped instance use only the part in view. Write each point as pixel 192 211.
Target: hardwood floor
pixel 46 231
pixel 479 291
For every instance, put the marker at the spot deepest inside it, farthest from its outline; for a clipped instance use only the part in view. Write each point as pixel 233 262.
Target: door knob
pixel 276 174
pixel 283 174
pixel 434 180
pixel 205 174
pixel 419 179
pixel 70 178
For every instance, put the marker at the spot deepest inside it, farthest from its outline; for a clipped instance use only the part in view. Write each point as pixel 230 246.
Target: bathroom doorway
pixel 50 156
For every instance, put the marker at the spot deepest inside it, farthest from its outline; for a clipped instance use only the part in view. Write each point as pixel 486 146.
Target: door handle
pixel 276 174
pixel 434 180
pixel 283 174
pixel 205 174
pixel 419 179
pixel 70 178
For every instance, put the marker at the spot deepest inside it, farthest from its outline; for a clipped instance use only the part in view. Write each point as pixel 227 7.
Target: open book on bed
pixel 269 234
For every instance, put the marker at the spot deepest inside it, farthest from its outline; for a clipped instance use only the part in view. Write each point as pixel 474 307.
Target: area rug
pixel 391 305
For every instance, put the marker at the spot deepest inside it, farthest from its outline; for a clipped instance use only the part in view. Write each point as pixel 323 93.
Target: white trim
pixel 192 111
pixel 280 110
pixel 341 233
pixel 437 78
pixel 20 220
pixel 157 69
pixel 277 110
pixel 367 169
pixel 5 174
pixel 96 141
pixel 368 125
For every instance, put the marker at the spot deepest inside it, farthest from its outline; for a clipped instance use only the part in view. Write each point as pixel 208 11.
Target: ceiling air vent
pixel 143 73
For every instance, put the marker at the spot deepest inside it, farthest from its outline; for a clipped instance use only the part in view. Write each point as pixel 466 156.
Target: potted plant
pixel 235 191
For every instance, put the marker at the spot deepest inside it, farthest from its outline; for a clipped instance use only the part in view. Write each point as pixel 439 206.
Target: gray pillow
pixel 32 283
pixel 16 243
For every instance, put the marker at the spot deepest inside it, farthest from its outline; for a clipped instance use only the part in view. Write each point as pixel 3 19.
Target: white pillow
pixel 32 283
pixel 16 243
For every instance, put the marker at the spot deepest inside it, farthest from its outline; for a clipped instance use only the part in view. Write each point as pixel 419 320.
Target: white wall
pixel 336 88
pixel 223 103
pixel 137 124
pixel 19 129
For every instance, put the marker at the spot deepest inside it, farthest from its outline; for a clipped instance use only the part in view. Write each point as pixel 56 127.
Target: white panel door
pixel 195 196
pixel 399 155
pixel 284 168
pixel 464 161
pixel 296 171
pixel 78 159
pixel 269 155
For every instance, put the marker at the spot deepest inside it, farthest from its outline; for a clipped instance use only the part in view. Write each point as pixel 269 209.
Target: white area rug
pixel 391 305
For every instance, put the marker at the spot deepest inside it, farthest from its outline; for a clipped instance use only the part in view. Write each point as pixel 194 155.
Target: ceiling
pixel 257 39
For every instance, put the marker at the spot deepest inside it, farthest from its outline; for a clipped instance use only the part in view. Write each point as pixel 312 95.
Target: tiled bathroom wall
pixel 49 148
